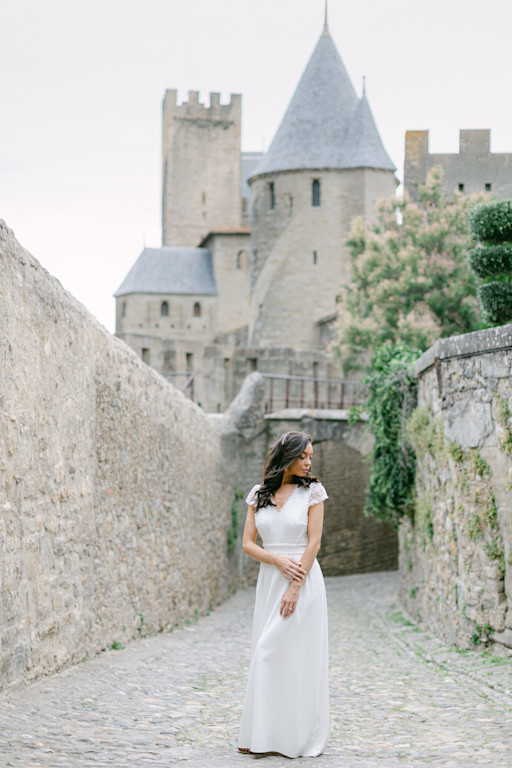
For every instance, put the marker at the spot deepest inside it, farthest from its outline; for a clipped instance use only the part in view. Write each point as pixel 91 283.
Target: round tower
pixel 325 166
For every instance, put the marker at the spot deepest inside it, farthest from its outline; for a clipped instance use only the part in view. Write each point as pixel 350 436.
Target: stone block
pixel 469 423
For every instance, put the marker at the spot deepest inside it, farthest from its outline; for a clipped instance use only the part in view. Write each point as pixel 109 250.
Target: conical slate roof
pixel 363 145
pixel 317 124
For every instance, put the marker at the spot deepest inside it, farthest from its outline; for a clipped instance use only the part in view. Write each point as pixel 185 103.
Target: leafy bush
pixel 491 260
pixel 496 302
pixel 491 222
pixel 392 388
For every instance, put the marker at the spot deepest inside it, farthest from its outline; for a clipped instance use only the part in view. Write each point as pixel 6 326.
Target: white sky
pixel 81 85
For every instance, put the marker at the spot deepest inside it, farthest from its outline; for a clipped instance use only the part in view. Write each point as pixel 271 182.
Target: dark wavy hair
pixel 281 456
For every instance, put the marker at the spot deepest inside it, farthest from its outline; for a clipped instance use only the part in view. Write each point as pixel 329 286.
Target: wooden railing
pixel 308 392
pixel 188 387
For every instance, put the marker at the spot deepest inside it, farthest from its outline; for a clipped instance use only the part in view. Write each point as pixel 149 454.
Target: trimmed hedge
pixel 491 222
pixel 496 302
pixel 491 260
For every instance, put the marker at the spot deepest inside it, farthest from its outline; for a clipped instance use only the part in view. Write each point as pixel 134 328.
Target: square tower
pixel 201 175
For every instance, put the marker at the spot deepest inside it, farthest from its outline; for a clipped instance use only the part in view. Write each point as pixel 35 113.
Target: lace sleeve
pixel 318 494
pixel 251 498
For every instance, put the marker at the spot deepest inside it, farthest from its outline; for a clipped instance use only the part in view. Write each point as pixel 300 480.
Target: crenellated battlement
pixel 474 168
pixel 195 107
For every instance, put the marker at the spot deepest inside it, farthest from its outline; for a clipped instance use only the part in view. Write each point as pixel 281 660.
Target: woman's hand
pixel 289 601
pixel 289 568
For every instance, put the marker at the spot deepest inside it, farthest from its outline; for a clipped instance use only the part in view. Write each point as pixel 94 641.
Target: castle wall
pixel 299 257
pixel 456 557
pixel 115 499
pixel 474 169
pixel 143 316
pixel 231 266
pixel 201 175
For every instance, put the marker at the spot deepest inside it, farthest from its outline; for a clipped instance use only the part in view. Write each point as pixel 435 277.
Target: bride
pixel 286 706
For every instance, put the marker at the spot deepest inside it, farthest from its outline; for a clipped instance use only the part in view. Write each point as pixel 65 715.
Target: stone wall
pixel 456 558
pixel 299 258
pixel 115 501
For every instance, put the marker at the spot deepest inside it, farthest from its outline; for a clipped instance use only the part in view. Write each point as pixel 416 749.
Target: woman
pixel 287 701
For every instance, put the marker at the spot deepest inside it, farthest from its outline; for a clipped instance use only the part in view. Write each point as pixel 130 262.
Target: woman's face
pixel 302 465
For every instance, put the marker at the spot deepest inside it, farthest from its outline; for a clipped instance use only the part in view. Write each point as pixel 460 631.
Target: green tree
pixel 410 279
pixel 490 225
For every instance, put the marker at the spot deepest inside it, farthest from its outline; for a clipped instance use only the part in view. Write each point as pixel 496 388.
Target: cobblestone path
pixel 399 697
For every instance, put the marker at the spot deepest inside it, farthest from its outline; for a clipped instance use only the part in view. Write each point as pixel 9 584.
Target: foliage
pixel 491 260
pixel 424 433
pixel 491 222
pixel 491 225
pixel 391 387
pixel 410 280
pixel 496 301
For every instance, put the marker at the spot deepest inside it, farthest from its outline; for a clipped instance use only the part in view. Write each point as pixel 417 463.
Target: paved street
pixel 399 697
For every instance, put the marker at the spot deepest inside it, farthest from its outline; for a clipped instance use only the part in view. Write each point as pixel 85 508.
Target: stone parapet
pixel 115 500
pixel 456 555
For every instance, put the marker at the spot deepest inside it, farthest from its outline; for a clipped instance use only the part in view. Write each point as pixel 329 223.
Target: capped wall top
pixel 171 270
pixel 316 131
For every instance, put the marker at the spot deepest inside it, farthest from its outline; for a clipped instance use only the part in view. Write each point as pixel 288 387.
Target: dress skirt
pixel 286 706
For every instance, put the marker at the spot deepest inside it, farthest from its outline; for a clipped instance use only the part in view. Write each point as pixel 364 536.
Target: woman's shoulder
pixel 317 493
pixel 251 496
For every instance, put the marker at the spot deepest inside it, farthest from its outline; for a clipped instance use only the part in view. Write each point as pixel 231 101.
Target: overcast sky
pixel 81 85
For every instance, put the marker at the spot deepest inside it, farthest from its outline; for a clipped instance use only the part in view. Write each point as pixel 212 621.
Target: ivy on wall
pixel 391 386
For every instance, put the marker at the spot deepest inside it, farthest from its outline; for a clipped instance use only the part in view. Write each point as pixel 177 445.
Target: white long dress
pixel 286 706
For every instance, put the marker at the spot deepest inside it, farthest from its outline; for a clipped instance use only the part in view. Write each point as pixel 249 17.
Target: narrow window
pixel 123 309
pixel 488 187
pixel 145 355
pixel 169 360
pixel 272 195
pixel 461 187
pixel 189 357
pixel 241 260
pixel 197 309
pixel 252 364
pixel 316 192
pixel 204 198
pixel 314 257
pixel 164 309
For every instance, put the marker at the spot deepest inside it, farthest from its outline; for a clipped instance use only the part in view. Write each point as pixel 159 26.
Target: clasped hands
pixel 296 574
pixel 291 569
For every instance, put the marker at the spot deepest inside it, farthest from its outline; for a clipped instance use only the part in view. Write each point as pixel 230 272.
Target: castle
pixel 253 245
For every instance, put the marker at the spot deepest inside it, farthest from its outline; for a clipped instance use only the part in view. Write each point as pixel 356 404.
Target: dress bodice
pixel 287 528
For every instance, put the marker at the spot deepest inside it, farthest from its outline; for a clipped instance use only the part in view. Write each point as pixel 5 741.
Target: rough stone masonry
pixel 115 503
pixel 456 557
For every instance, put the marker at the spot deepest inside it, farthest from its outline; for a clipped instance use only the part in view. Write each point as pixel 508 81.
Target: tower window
pixel 123 309
pixel 315 193
pixel 241 260
pixel 145 355
pixel 461 187
pixel 197 309
pixel 204 198
pixel 314 257
pixel 272 195
pixel 488 187
pixel 164 309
